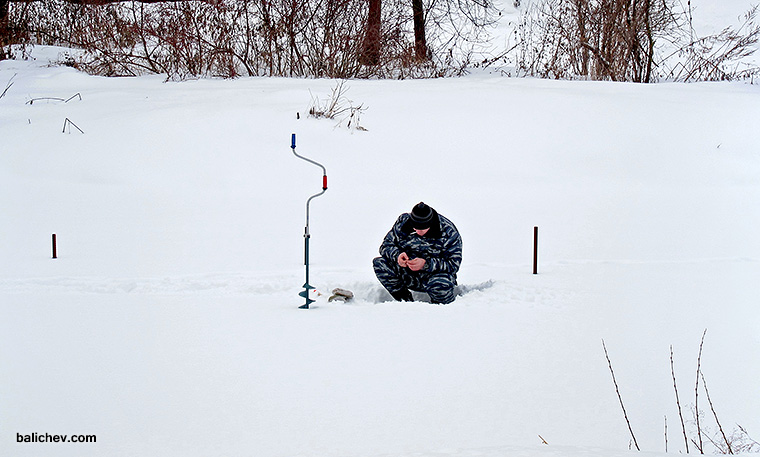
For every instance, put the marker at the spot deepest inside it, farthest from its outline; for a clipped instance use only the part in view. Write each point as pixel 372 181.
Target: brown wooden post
pixel 535 250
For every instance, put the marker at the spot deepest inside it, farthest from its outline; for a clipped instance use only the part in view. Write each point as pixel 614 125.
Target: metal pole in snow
pixel 307 235
pixel 55 247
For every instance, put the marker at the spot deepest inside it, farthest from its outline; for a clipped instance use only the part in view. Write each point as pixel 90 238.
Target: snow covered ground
pixel 168 326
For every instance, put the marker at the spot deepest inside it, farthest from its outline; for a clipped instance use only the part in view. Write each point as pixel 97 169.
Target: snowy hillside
pixel 168 324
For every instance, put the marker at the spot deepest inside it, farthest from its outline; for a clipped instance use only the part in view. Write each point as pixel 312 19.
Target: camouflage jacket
pixel 441 247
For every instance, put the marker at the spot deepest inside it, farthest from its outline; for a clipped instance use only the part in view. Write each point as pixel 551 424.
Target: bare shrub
pixel 698 432
pixel 716 57
pixel 338 107
pixel 628 40
pixel 229 38
pixel 701 434
pixel 593 39
pixel 716 441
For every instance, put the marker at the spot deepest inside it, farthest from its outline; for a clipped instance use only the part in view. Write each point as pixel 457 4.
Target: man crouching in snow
pixel 422 252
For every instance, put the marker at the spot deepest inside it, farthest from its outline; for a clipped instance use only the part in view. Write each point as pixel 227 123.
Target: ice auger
pixel 307 235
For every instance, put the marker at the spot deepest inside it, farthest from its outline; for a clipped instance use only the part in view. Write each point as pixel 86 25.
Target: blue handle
pixel 293 141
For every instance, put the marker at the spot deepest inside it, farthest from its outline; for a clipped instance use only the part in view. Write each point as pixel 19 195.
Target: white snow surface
pixel 168 324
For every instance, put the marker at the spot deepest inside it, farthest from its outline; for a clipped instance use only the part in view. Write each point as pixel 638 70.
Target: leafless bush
pixel 338 107
pixel 701 434
pixel 716 57
pixel 716 441
pixel 698 433
pixel 228 38
pixel 593 39
pixel 627 40
pixel 456 29
pixel 741 443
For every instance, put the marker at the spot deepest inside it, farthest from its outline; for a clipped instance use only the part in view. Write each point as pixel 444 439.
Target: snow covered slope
pixel 168 324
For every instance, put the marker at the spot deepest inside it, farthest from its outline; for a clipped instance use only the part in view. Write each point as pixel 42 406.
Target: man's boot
pixel 403 295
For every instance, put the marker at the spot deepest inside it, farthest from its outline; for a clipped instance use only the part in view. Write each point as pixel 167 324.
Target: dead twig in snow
pixel 712 408
pixel 678 402
pixel 617 390
pixel 700 444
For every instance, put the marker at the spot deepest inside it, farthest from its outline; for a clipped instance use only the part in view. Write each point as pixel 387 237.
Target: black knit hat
pixel 421 216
